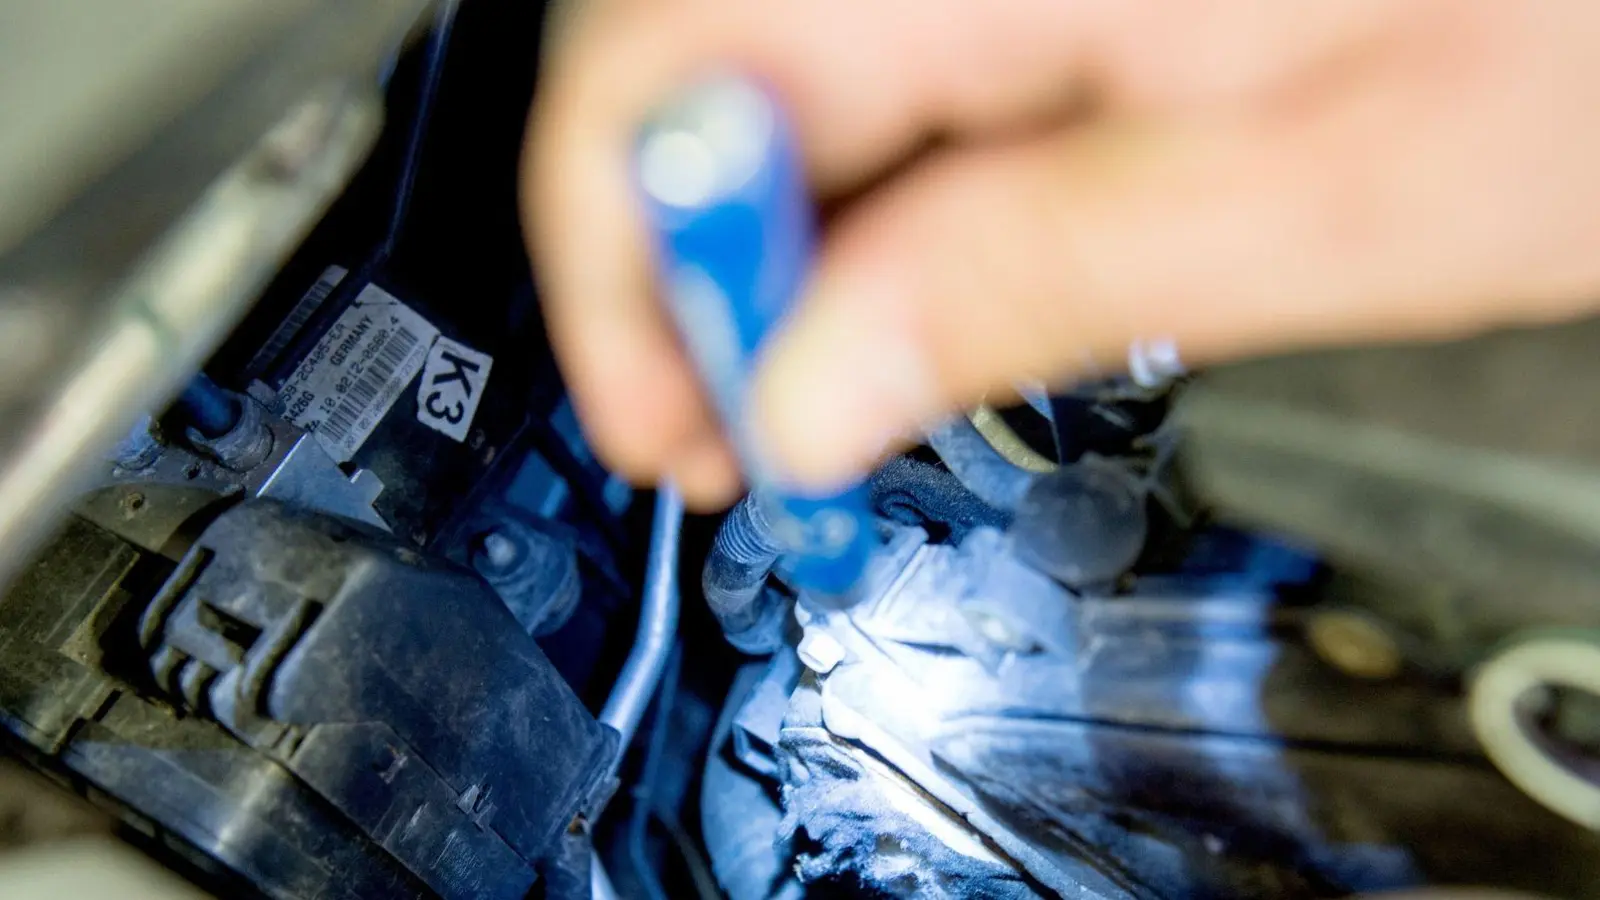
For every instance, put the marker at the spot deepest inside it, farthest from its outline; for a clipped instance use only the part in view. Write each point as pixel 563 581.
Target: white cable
pixel 1493 698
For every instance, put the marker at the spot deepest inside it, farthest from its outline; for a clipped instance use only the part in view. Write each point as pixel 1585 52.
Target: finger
pixel 639 403
pixel 707 474
pixel 962 277
pixel 628 375
pixel 860 104
pixel 1047 258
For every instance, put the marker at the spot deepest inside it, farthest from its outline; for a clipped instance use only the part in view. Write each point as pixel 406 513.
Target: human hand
pixel 1022 188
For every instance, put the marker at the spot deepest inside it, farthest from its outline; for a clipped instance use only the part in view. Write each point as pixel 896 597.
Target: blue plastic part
pixel 734 231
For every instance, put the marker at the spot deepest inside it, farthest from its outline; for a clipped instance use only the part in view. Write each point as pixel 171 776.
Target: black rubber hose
pixel 735 579
pixel 911 492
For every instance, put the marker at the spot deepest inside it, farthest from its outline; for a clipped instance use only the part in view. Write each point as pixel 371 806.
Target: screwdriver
pixel 734 232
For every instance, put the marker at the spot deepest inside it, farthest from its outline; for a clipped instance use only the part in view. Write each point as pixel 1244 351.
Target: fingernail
pixel 841 385
pixel 706 473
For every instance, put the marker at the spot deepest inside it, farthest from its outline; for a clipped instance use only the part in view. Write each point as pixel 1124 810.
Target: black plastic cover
pixel 352 719
pixel 400 688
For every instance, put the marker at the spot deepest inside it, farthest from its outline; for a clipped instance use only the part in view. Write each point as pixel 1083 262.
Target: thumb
pixel 1044 259
pixel 982 268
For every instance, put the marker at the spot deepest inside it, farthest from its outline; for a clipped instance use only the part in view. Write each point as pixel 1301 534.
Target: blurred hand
pixel 1023 187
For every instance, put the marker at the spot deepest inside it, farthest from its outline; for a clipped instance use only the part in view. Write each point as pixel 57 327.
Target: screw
pixel 499 551
pixel 820 651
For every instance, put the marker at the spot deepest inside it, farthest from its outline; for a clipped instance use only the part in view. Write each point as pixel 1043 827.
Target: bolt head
pixel 498 552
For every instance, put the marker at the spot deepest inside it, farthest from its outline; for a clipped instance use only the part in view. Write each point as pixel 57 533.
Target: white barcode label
pixel 452 386
pixel 346 385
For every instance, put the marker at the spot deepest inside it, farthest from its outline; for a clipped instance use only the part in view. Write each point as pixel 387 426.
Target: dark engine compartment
pixel 360 615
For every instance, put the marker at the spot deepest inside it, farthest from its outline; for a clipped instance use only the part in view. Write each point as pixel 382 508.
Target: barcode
pixel 359 398
pixel 289 328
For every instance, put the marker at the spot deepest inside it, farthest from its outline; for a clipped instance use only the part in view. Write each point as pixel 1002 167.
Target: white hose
pixel 658 622
pixel 599 881
pixel 1493 698
pixel 652 644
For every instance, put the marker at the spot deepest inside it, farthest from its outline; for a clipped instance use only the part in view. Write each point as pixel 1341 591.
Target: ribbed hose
pixel 735 578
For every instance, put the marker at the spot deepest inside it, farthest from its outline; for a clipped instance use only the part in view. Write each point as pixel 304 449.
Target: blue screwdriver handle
pixel 734 233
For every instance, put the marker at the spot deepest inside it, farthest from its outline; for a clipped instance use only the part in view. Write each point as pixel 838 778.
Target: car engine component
pixel 311 586
pixel 277 702
pixel 975 730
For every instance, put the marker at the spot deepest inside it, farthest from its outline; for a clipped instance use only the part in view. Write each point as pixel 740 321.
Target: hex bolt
pixel 244 440
pixel 140 449
pixel 820 651
pixel 499 551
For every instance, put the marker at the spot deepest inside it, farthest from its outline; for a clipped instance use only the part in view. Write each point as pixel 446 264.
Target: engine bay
pixel 352 610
